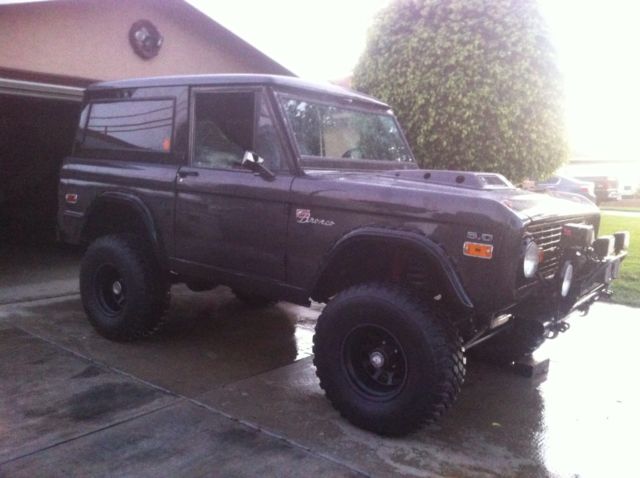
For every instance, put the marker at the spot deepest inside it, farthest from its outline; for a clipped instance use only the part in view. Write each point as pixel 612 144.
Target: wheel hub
pixel 110 289
pixel 117 288
pixel 374 361
pixel 377 359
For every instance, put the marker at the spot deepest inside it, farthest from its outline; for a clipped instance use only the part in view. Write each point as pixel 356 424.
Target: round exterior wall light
pixel 145 39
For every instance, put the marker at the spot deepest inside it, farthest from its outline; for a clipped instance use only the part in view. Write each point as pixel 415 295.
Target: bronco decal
pixel 303 216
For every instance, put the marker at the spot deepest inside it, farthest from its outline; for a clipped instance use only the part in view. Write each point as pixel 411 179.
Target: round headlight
pixel 567 279
pixel 531 260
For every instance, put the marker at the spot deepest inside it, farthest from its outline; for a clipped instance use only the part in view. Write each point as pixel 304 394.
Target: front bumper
pixel 593 282
pixel 544 300
pixel 545 304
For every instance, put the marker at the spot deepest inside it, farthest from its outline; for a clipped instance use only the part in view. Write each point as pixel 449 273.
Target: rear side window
pixel 138 126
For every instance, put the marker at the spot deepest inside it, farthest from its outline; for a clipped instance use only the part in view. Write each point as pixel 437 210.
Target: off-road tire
pixel 433 366
pixel 127 259
pixel 253 300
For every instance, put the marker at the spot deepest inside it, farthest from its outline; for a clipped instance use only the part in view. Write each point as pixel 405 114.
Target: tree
pixel 473 82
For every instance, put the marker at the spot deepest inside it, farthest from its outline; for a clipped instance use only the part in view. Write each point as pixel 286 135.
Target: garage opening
pixel 37 125
pixel 35 135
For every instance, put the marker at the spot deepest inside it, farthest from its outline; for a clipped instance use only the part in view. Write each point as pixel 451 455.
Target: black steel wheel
pixel 374 361
pixel 110 289
pixel 386 361
pixel 124 292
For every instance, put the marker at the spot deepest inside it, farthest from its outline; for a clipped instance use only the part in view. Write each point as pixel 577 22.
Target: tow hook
pixel 606 294
pixel 556 329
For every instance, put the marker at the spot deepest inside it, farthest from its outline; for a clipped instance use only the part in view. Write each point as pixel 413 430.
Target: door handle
pixel 184 174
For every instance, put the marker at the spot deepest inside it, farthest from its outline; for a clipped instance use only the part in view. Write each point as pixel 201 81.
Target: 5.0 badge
pixel 478 236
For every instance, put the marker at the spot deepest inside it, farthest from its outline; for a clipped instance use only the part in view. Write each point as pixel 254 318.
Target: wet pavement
pixel 231 391
pixel 28 273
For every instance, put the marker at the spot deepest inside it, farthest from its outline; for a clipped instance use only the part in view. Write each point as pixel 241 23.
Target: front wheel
pixel 386 361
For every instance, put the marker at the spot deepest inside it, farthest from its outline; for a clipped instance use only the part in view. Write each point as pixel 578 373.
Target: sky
pixel 316 39
pixel 597 43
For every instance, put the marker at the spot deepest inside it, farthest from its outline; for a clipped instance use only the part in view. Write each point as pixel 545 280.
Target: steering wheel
pixel 355 153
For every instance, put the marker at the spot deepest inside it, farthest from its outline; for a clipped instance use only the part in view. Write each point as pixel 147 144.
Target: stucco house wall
pixel 90 39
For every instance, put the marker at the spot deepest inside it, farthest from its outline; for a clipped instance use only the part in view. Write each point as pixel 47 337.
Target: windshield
pixel 327 132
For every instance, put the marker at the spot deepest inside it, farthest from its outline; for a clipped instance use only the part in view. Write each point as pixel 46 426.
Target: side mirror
pixel 251 158
pixel 255 163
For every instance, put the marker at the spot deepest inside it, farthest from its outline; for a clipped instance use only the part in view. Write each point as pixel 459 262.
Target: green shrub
pixel 473 82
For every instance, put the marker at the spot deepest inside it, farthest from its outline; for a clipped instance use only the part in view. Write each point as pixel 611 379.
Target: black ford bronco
pixel 287 190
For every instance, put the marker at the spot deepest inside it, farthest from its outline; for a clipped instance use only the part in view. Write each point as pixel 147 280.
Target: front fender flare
pixel 453 284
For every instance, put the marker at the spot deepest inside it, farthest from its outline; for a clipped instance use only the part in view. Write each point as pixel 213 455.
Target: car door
pixel 228 218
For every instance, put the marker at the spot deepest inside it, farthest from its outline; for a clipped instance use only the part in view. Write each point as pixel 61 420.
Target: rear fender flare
pixel 141 210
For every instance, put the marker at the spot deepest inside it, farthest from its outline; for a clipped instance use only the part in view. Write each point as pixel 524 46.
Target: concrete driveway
pixel 231 391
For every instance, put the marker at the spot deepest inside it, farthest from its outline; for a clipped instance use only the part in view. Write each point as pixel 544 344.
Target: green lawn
pixel 627 287
pixel 621 208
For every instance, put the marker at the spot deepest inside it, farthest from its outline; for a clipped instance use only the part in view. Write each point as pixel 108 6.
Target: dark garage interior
pixel 35 135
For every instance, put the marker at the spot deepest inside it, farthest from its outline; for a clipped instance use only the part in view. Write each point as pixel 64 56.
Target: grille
pixel 547 234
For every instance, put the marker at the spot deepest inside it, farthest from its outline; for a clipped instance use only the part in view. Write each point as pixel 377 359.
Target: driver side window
pixel 223 129
pixel 226 126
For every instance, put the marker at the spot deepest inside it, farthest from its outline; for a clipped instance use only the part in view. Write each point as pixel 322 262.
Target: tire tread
pixel 151 317
pixel 447 351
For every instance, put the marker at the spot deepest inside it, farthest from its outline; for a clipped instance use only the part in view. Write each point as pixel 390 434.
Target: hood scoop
pixel 461 179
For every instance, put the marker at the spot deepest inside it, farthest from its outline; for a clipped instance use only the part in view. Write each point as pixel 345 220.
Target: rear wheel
pixel 123 289
pixel 385 360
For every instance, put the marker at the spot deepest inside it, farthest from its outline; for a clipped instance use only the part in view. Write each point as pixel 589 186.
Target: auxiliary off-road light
pixel 622 240
pixel 604 246
pixel 576 235
pixel 566 276
pixel 531 260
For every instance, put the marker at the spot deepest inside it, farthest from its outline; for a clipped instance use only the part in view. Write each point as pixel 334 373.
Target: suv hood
pixel 473 186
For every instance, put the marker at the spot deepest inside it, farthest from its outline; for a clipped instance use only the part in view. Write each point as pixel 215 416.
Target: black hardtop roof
pixel 233 80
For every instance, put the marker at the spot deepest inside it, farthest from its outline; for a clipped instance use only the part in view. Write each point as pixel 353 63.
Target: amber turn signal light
pixel 474 249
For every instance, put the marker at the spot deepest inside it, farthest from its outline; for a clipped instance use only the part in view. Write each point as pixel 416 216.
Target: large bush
pixel 473 82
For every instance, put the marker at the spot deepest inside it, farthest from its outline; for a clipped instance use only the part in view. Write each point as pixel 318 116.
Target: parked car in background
pixel 628 188
pixel 567 184
pixel 607 188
